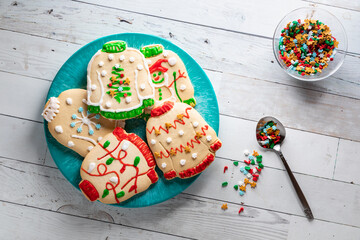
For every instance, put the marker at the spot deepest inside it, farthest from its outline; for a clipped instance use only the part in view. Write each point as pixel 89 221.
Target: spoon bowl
pixel 260 126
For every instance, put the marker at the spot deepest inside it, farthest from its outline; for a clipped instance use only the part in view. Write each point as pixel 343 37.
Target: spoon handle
pixel 300 194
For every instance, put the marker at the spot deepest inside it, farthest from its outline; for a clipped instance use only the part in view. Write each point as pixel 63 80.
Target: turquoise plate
pixel 73 75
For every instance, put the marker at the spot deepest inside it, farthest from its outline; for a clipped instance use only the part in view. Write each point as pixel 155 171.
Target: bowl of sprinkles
pixel 310 44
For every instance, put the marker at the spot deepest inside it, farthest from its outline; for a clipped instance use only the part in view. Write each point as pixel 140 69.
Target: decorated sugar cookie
pixel 169 75
pixel 118 82
pixel 119 167
pixel 182 142
pixel 72 125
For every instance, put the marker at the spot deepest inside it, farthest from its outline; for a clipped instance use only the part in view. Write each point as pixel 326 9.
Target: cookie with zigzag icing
pixel 182 142
pixel 71 124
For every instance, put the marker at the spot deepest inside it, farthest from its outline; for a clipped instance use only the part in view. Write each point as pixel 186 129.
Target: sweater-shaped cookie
pixel 119 167
pixel 182 142
pixel 169 75
pixel 72 125
pixel 118 82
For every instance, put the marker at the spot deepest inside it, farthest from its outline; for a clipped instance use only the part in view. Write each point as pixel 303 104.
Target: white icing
pixel 114 180
pixel 103 73
pixel 182 162
pixel 125 145
pixel 140 67
pixel 122 58
pixel 84 138
pixel 51 110
pixel 246 152
pixel 172 61
pixel 84 119
pixel 131 59
pixel 128 99
pixel 165 54
pixel 93 87
pixel 208 138
pixel 195 124
pixel 182 87
pixel 90 148
pixel 142 87
pixel 99 139
pixel 91 167
pixel 163 165
pixel 169 140
pixel 108 104
pixel 153 141
pixel 194 155
pixel 116 66
pixel 70 144
pixel 148 61
pixel 111 57
pixel 181 132
pixel 101 63
pixel 59 129
pixel 68 101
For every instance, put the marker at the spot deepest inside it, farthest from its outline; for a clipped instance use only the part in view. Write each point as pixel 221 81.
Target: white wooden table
pixel 231 40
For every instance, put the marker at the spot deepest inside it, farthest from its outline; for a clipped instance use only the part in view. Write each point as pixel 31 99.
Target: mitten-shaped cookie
pixel 118 82
pixel 169 75
pixel 182 142
pixel 119 167
pixel 72 125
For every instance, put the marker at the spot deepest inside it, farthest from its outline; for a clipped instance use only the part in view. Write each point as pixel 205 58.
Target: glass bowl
pixel 337 31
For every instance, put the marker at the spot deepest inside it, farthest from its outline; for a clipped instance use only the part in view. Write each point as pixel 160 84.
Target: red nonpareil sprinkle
pixel 110 84
pixel 125 94
pixel 241 210
pixel 258 169
pixel 122 75
pixel 225 168
pixel 121 82
pixel 255 179
pixel 247 162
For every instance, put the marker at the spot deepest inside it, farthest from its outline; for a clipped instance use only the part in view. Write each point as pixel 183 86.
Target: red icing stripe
pixel 216 146
pixel 157 66
pixel 89 190
pixel 170 175
pixel 197 169
pixel 158 111
pixel 152 176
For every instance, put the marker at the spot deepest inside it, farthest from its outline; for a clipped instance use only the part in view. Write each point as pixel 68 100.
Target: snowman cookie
pixel 182 142
pixel 169 75
pixel 72 125
pixel 118 82
pixel 119 167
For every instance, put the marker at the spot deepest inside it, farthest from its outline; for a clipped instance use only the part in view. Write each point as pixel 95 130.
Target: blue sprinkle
pixel 274 128
pixel 88 112
pixel 72 124
pixel 97 116
pixel 241 193
pixel 242 169
pixel 281 39
pixel 245 172
pixel 91 132
pixel 251 157
pixel 74 116
pixel 79 130
pixel 295 40
pixel 80 109
pixel 98 126
pixel 320 50
pixel 314 54
pixel 120 89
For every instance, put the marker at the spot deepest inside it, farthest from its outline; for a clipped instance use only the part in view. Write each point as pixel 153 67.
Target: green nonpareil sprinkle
pixel 236 187
pixel 236 163
pixel 224 184
pixel 252 162
pixel 261 165
pixel 247 168
pixel 106 144
pixel 105 193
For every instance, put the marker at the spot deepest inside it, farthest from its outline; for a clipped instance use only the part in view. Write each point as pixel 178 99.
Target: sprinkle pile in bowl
pixel 307 47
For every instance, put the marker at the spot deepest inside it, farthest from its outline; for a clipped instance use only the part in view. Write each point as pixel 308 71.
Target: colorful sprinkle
pixel 224 206
pixel 226 168
pixel 224 184
pixel 241 210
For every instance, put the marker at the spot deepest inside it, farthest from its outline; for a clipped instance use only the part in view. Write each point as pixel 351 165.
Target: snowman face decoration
pixel 157 77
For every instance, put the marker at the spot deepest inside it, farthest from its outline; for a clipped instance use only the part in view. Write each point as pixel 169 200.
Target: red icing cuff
pixel 216 146
pixel 158 111
pixel 199 168
pixel 152 176
pixel 89 190
pixel 170 175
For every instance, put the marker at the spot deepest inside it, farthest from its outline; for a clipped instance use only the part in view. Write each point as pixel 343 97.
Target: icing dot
pixel 194 155
pixel 148 61
pixel 208 138
pixel 195 124
pixel 108 104
pixel 122 58
pixel 246 152
pixel 181 132
pixel 93 87
pixel 59 129
pixel 165 54
pixel 71 144
pixel 101 63
pixel 73 116
pixel 99 139
pixel 103 73
pixel 140 67
pixel 114 180
pixel 172 61
pixel 163 165
pixel 182 87
pixel 142 86
pixel 68 101
pixel 117 66
pixel 182 162
pixel 169 140
pixel 125 145
pixel 80 109
pixel 128 99
pixel 98 126
pixel 153 141
pixel 91 167
pixel 131 59
pixel 91 132
pixel 90 148
pixel 111 57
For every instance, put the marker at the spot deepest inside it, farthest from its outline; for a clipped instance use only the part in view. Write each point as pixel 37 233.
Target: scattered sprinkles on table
pixel 307 47
pixel 269 135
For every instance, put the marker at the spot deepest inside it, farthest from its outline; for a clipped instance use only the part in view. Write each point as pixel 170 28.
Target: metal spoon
pixel 277 149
